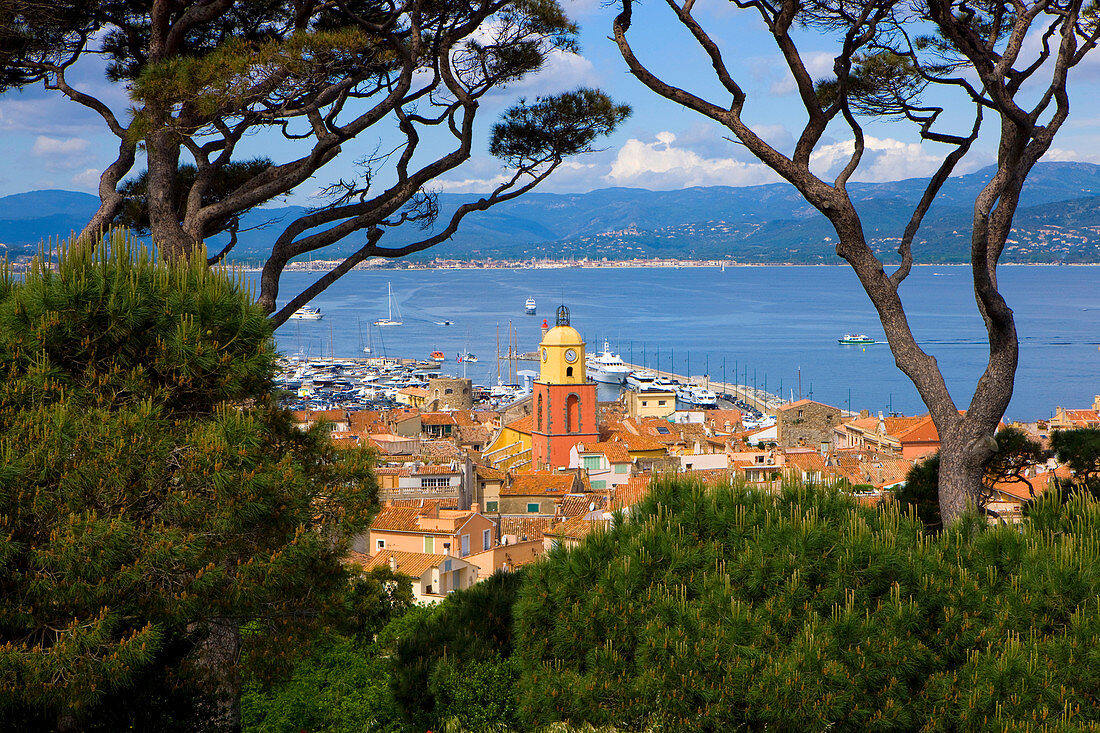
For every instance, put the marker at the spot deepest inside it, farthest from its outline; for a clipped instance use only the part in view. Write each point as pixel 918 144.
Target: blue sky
pixel 48 142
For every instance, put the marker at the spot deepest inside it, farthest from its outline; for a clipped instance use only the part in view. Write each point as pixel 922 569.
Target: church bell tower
pixel 564 400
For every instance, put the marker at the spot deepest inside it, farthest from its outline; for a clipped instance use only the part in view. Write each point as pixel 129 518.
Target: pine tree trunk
pixel 963 454
pixel 216 660
pixel 163 152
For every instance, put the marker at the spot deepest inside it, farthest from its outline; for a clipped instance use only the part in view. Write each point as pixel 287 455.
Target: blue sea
pixel 772 327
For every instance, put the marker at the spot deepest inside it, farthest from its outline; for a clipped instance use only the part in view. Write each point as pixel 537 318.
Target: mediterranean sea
pixel 771 326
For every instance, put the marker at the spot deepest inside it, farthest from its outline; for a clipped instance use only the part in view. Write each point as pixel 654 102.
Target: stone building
pixel 806 423
pixel 446 393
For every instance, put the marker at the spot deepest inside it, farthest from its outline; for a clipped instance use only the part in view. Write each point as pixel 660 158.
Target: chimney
pixel 393 563
pixel 475 507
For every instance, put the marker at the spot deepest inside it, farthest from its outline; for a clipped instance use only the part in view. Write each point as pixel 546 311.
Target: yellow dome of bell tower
pixel 562 353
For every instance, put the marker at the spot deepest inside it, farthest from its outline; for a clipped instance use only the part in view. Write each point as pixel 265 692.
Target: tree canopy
pixel 909 61
pixel 731 608
pixel 205 76
pixel 153 497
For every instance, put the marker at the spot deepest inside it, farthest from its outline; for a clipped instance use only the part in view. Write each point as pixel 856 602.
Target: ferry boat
pixel 607 368
pixel 529 307
pixel 437 356
pixel 856 338
pixel 307 313
pixel 390 308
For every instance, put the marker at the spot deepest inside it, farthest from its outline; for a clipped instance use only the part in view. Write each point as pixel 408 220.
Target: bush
pixel 152 496
pixel 718 609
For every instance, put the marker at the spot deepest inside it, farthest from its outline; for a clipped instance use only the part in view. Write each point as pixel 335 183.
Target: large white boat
pixel 856 338
pixel 607 368
pixel 390 308
pixel 642 380
pixel 307 313
pixel 529 307
pixel 697 396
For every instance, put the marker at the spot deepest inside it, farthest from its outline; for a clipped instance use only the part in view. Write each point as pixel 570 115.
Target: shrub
pixel 718 609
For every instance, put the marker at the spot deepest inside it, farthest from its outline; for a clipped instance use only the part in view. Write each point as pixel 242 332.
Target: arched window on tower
pixel 573 414
pixel 569 371
pixel 540 413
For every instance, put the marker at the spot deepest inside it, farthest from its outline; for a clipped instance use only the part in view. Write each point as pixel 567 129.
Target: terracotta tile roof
pixel 465 434
pixel 921 431
pixel 1039 483
pixel 397 519
pixel 360 419
pixel 539 483
pixel 523 425
pixel 437 469
pixel 576 528
pixel 1083 418
pixel 413 564
pixel 414 392
pixel 440 450
pixel 486 472
pixel 614 452
pixel 577 505
pixel 464 418
pixel 436 418
pixel 717 419
pixel 418 504
pixel 530 528
pixel 632 491
pixel 636 443
pixel 803 403
pixel 805 461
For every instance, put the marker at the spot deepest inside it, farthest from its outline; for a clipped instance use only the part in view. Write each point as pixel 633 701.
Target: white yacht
pixel 529 307
pixel 697 396
pixel 642 380
pixel 390 308
pixel 607 368
pixel 307 313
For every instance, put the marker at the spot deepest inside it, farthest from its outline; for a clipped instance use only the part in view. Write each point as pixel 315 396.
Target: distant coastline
pixel 501 264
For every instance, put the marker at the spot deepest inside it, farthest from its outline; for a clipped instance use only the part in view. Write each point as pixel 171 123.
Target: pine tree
pixel 153 498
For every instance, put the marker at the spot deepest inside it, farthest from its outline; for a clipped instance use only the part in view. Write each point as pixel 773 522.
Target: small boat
pixel 697 396
pixel 467 357
pixel 307 313
pixel 444 323
pixel 529 307
pixel 856 338
pixel 390 308
pixel 437 356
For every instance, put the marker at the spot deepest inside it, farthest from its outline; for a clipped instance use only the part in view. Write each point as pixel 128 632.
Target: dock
pixel 765 402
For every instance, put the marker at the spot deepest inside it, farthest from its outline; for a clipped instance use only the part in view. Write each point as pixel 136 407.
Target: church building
pixel 564 400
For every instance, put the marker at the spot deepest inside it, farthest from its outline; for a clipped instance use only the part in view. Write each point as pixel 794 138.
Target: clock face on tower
pixel 570 355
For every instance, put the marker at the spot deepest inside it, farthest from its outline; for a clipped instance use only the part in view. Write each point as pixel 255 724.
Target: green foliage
pixel 555 127
pixel 135 211
pixel 453 663
pixel 922 492
pixel 149 485
pixel 1080 450
pixel 1016 452
pixel 731 608
pixel 342 687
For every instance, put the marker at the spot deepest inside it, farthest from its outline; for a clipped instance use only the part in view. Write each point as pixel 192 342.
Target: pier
pixel 765 402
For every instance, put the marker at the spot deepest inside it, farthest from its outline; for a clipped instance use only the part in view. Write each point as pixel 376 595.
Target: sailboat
pixel 391 307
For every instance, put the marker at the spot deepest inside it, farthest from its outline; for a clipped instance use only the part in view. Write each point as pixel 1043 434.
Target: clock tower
pixel 564 401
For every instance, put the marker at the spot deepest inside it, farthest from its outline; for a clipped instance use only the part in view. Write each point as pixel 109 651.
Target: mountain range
pixel 1058 221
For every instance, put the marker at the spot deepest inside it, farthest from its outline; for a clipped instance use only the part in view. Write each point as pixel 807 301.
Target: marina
pixel 763 328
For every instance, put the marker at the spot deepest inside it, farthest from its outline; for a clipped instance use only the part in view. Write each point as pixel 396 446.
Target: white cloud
pixel 883 160
pixel 819 65
pixel 472 185
pixel 562 72
pixel 1061 155
pixel 44 145
pixel 87 179
pixel 662 165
